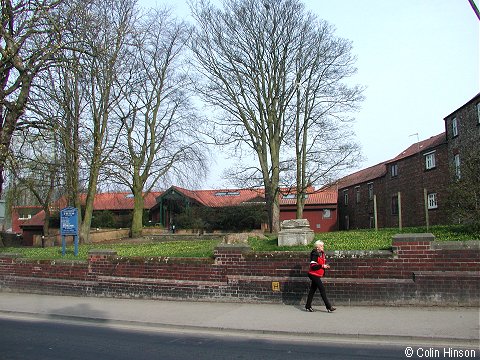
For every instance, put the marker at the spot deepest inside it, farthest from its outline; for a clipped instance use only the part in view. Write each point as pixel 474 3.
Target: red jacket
pixel 317 262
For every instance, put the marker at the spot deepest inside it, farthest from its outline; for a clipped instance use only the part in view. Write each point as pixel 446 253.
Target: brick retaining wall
pixel 417 271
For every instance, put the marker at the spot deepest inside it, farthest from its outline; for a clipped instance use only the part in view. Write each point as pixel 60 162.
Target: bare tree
pixel 29 37
pixel 324 143
pixel 243 56
pixel 253 57
pixel 105 33
pixel 157 121
pixel 35 166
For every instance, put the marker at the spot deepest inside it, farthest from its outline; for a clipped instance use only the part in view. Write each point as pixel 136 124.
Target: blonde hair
pixel 318 243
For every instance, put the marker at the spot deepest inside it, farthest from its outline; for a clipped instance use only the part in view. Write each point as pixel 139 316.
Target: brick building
pixel 320 205
pixel 463 133
pixel 412 188
pixel 408 190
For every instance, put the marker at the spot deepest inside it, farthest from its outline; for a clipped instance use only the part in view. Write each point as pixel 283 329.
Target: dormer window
pixel 454 127
pixel 430 160
pixel 394 170
pixel 227 193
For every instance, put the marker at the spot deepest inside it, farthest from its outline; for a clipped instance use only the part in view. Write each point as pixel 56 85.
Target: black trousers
pixel 317 284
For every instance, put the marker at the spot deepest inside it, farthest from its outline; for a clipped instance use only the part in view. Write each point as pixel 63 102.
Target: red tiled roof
pixel 122 201
pixel 222 197
pixel 103 201
pixel 35 220
pixel 115 201
pixel 379 170
pixel 421 146
pixel 314 197
pixel 233 197
pixel 362 176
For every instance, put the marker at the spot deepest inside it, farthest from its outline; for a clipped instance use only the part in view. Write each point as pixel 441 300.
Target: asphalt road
pixel 22 338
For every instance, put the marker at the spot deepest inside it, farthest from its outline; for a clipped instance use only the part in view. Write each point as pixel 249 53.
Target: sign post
pixel 69 227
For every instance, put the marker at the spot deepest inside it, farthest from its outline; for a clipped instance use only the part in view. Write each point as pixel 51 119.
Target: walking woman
pixel 316 271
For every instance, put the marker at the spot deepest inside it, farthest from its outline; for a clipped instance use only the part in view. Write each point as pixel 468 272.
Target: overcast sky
pixel 418 59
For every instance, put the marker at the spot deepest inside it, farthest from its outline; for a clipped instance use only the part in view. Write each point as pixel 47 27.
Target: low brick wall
pixel 418 271
pixel 96 236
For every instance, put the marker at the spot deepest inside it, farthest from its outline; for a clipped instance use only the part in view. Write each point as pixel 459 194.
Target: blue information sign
pixel 69 227
pixel 69 221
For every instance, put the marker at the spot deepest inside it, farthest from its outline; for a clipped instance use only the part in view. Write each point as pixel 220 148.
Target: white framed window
pixel 454 127
pixel 345 197
pixel 24 216
pixel 430 160
pixel 357 194
pixel 432 201
pixel 456 165
pixel 478 113
pixel 227 193
pixel 327 214
pixel 370 191
pixel 394 170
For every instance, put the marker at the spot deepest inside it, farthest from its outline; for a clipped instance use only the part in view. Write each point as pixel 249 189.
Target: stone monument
pixel 295 232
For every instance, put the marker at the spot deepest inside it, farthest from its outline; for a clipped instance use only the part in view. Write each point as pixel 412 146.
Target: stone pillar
pixel 295 232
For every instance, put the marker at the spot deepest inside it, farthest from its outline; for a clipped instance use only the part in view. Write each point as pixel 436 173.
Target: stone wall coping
pixel 335 254
pixel 414 237
pixel 359 253
pixel 456 245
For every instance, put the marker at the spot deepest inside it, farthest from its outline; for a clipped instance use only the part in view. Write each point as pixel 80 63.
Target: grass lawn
pixel 338 240
pixel 367 239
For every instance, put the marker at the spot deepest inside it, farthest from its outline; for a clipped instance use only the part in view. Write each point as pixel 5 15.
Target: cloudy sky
pixel 418 59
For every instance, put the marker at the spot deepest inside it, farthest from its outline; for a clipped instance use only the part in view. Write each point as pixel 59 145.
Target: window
pixel 370 191
pixel 327 214
pixel 395 204
pixel 456 164
pixel 24 216
pixel 454 127
pixel 394 170
pixel 478 112
pixel 293 196
pixel 345 197
pixel 430 160
pixel 227 193
pixel 432 201
pixel 357 194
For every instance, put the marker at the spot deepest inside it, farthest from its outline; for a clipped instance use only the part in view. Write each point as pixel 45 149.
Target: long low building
pixel 320 205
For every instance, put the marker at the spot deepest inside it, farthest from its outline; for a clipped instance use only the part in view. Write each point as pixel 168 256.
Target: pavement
pixel 452 326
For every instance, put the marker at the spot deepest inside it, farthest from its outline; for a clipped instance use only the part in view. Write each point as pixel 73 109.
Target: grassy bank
pixel 338 240
pixel 368 239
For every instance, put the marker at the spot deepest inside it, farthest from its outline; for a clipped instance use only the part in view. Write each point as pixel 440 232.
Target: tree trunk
pixel 46 224
pixel 137 217
pixel 91 192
